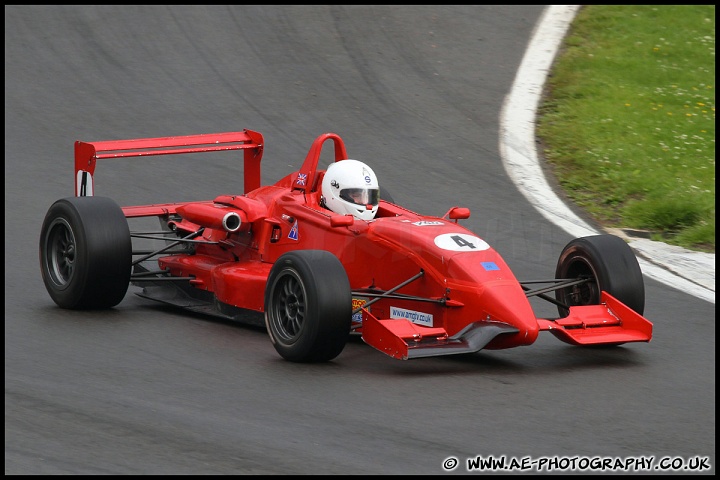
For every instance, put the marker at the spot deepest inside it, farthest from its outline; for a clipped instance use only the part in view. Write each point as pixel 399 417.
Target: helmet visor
pixel 360 196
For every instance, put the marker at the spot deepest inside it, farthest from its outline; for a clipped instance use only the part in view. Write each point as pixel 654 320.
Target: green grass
pixel 628 119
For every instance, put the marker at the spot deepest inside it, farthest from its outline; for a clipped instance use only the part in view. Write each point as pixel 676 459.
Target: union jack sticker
pixel 301 179
pixel 293 235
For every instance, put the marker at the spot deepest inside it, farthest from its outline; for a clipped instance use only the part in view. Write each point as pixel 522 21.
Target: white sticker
pixel 423 223
pixel 461 242
pixel 420 318
pixel 84 184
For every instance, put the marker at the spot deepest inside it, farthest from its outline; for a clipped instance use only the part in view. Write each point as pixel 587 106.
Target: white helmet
pixel 351 187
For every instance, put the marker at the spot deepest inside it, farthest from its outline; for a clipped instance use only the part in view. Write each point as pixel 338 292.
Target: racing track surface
pixel 414 91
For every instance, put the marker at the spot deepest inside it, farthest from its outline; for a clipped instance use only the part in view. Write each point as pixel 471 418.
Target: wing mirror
pixel 458 213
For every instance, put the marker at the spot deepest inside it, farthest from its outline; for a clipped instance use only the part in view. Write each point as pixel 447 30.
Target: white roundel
pixel 461 242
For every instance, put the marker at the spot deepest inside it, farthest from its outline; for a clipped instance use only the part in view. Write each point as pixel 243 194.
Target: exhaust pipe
pixel 213 216
pixel 231 221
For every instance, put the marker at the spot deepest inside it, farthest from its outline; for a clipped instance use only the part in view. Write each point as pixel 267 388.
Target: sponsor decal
pixel 461 242
pixel 301 179
pixel 357 303
pixel 293 235
pixel 489 266
pixel 421 318
pixel 368 180
pixel 84 184
pixel 423 223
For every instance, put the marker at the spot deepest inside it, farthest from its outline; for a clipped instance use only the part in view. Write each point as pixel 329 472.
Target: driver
pixel 351 187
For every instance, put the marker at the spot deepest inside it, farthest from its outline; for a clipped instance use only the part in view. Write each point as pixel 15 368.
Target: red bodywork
pixel 456 294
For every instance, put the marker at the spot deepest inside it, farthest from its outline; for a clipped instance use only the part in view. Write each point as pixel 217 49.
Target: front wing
pixel 610 323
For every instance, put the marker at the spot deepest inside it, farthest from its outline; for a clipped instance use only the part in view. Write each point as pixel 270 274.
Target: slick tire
pixel 85 253
pixel 308 306
pixel 610 264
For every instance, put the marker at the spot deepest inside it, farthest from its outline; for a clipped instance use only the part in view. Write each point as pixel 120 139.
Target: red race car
pixel 322 254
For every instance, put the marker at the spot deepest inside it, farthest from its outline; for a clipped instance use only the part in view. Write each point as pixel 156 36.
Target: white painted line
pixel 688 271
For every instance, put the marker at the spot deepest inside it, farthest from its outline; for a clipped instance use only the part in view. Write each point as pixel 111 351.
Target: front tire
pixel 85 253
pixel 308 306
pixel 610 264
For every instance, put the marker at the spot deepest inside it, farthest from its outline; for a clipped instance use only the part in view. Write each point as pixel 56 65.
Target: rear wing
pixel 88 153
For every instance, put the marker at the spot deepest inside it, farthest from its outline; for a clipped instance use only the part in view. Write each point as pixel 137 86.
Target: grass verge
pixel 628 119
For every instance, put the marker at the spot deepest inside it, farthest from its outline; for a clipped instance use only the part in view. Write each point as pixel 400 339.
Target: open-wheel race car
pixel 410 285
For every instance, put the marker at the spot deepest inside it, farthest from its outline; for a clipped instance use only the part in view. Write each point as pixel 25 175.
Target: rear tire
pixel 85 253
pixel 308 306
pixel 610 264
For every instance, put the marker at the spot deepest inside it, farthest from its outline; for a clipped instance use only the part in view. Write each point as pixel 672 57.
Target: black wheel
pixel 308 306
pixel 85 253
pixel 610 264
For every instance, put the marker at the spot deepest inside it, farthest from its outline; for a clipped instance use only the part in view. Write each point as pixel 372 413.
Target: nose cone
pixel 505 301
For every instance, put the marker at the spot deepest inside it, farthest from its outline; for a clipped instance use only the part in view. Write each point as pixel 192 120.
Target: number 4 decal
pixel 461 242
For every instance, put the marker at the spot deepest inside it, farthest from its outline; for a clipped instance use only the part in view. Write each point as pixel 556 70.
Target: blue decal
pixel 489 266
pixel 293 235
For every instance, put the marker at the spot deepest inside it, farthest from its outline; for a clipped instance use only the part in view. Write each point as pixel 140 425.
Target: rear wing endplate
pixel 88 153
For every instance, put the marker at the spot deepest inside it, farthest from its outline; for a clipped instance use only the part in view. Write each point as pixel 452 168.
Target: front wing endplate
pixel 610 323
